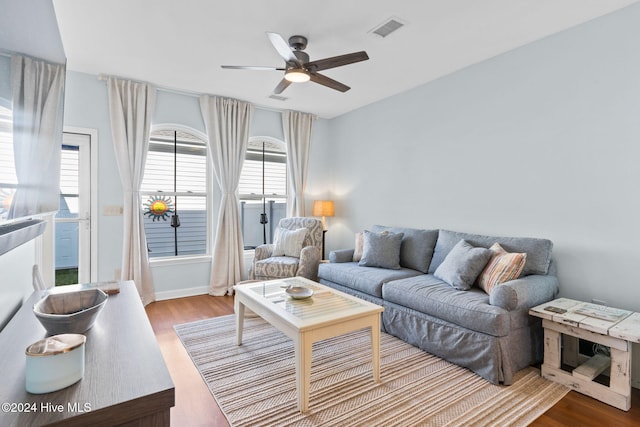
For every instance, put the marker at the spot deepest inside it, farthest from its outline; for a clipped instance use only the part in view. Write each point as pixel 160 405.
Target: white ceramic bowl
pixel 299 292
pixel 70 312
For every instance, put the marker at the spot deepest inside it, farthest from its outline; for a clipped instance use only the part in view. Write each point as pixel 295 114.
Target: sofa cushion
pixel 430 295
pixel 538 250
pixel 368 280
pixel 502 267
pixel 462 265
pixel 359 244
pixel 381 250
pixel 417 246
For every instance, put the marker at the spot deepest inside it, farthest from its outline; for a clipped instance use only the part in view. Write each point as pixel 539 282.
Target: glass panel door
pixel 73 220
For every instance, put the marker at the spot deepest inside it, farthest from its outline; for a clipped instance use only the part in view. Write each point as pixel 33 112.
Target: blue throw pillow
pixel 462 265
pixel 381 250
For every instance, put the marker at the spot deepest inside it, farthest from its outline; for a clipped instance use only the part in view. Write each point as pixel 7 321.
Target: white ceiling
pixel 180 44
pixel 30 27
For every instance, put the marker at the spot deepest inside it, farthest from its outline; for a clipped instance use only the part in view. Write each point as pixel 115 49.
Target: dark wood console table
pixel 126 381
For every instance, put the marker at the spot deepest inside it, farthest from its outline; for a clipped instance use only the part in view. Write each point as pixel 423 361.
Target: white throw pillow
pixel 289 242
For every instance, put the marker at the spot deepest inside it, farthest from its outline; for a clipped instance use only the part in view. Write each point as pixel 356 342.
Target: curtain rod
pixel 104 77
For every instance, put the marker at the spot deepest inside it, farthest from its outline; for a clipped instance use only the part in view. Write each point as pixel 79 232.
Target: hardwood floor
pixel 195 405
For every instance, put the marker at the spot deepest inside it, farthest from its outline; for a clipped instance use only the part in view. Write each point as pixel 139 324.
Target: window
pixel 263 189
pixel 8 179
pixel 175 188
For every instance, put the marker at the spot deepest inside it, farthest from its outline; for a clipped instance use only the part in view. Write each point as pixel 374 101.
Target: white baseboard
pixel 181 293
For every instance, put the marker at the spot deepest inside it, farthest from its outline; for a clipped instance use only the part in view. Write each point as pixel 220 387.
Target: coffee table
pixel 328 313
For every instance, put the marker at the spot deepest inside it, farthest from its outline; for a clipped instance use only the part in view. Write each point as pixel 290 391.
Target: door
pixel 73 221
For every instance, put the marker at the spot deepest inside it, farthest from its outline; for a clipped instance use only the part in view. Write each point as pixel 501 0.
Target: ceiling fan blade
pixel 282 47
pixel 337 61
pixel 251 67
pixel 328 82
pixel 284 83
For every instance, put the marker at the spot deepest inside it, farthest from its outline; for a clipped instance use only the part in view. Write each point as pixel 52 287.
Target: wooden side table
pixel 125 383
pixel 613 328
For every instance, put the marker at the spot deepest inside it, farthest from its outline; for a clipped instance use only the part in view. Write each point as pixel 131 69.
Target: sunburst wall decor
pixel 159 207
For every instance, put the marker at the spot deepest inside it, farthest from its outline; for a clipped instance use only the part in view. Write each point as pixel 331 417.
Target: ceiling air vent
pixel 387 27
pixel 278 97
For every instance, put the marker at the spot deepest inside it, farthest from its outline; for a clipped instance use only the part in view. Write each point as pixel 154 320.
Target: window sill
pixel 180 260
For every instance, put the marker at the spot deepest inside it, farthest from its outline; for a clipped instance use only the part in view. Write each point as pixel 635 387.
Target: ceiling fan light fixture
pixel 297 75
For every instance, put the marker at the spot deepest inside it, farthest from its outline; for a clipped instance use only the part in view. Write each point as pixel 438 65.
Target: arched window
pixel 175 199
pixel 263 189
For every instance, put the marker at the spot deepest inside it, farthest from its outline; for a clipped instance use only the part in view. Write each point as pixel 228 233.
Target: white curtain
pixel 227 122
pixel 37 134
pixel 297 128
pixel 131 106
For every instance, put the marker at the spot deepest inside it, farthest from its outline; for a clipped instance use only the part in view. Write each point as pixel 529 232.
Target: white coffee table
pixel 328 313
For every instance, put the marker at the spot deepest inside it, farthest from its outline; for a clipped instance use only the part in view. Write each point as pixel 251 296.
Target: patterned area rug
pixel 254 384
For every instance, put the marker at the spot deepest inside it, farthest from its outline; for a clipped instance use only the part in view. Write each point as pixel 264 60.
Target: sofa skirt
pixel 495 359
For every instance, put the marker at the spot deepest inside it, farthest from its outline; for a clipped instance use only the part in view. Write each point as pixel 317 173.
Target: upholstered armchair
pixel 296 251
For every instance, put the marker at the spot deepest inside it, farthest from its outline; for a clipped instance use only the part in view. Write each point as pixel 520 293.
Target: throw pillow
pixel 462 265
pixel 289 242
pixel 357 252
pixel 381 249
pixel 502 267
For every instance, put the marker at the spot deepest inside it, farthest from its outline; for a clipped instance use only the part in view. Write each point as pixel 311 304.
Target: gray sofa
pixel 492 335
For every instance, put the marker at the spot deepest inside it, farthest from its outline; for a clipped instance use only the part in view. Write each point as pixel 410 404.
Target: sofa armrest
pixel 341 255
pixel 309 262
pixel 263 252
pixel 525 292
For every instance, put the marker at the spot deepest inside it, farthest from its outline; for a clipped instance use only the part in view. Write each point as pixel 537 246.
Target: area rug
pixel 254 384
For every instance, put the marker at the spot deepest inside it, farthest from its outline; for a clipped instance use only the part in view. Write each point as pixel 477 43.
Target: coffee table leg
pixel 375 348
pixel 239 309
pixel 303 348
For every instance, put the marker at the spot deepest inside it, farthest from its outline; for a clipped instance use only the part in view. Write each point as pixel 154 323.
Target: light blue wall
pixel 541 141
pixel 267 123
pixel 86 106
pixel 180 109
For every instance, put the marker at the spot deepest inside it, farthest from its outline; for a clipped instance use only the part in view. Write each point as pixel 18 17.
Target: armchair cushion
pixel 289 242
pixel 296 251
pixel 263 252
pixel 276 267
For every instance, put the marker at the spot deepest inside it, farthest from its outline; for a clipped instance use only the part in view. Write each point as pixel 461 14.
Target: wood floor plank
pixel 195 406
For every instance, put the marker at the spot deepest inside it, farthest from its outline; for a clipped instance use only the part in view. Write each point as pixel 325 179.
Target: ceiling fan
pixel 298 68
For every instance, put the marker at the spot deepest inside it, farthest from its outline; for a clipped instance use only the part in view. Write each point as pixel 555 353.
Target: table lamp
pixel 323 208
